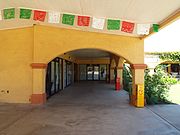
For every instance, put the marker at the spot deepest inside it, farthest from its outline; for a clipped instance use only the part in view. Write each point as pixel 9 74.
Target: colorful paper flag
pixel 127 27
pixel 9 13
pixel 143 29
pixel 98 23
pixel 25 13
pixel 113 24
pixel 0 16
pixel 68 19
pixel 39 15
pixel 54 17
pixel 155 27
pixel 83 20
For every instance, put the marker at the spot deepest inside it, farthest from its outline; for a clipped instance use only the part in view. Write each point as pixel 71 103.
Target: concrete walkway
pixel 85 109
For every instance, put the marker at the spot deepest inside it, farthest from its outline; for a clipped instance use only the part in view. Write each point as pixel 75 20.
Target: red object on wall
pixel 39 15
pixel 83 20
pixel 117 84
pixel 127 27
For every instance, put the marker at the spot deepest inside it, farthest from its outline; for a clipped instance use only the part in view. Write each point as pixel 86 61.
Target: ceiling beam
pixel 170 19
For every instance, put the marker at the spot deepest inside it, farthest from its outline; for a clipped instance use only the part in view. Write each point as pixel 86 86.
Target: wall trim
pixel 38 98
pixel 38 65
pixel 138 66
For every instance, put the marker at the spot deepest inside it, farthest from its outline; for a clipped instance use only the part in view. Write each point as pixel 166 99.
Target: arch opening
pixel 89 50
pixel 83 65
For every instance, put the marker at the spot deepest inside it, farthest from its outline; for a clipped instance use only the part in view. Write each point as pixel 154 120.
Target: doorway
pixel 53 77
pixel 93 72
pixel 96 75
pixel 89 72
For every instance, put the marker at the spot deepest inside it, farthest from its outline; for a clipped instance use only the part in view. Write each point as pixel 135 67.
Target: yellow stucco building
pixel 28 54
pixel 29 50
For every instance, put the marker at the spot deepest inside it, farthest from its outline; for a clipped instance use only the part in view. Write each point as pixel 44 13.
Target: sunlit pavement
pixel 89 109
pixel 170 113
pixel 174 94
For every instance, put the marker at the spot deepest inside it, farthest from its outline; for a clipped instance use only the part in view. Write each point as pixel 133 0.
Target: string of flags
pixel 69 19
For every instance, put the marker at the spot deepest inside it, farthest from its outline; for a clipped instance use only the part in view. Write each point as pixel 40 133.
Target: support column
pixel 108 74
pixel 112 75
pixel 120 75
pixel 39 75
pixel 119 68
pixel 169 68
pixel 137 95
pixel 112 68
pixel 78 73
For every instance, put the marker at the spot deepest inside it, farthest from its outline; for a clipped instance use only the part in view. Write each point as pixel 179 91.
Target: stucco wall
pixel 51 42
pixel 15 73
pixel 40 44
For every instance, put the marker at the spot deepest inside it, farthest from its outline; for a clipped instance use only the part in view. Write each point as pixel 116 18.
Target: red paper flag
pixel 83 20
pixel 39 15
pixel 127 27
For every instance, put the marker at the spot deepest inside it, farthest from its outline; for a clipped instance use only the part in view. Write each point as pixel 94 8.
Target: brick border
pixel 38 98
pixel 138 66
pixel 38 65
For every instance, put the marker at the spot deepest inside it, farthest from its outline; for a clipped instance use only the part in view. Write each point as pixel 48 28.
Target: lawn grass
pixel 174 94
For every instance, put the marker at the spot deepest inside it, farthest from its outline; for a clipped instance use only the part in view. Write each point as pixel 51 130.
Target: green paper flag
pixel 155 27
pixel 68 19
pixel 113 24
pixel 9 13
pixel 25 13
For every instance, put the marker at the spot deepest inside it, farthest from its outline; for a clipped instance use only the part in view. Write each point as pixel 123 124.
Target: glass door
pixel 60 73
pixel 82 70
pixel 53 77
pixel 89 72
pixel 57 76
pixel 103 72
pixel 69 73
pixel 96 72
pixel 48 80
pixel 64 74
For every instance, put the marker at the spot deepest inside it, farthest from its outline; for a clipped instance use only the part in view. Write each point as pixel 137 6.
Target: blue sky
pixel 166 40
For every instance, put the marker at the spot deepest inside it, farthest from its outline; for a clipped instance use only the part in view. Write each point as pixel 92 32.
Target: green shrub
pixel 157 86
pixel 127 77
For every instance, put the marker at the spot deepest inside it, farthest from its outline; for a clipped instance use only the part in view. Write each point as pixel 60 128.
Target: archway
pixel 49 42
pixel 83 65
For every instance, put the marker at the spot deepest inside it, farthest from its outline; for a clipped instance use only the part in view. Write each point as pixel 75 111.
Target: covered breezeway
pixel 90 67
pixel 40 94
pixel 91 93
pixel 88 108
pixel 29 44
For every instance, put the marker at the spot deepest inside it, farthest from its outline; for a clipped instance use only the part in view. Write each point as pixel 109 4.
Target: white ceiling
pixel 138 11
pixel 89 53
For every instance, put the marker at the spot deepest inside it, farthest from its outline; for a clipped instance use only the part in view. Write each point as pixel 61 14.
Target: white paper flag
pixel 0 16
pixel 53 17
pixel 143 29
pixel 98 23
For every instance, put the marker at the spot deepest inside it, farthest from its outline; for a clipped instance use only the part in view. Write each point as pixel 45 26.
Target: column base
pixel 132 100
pixel 38 98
